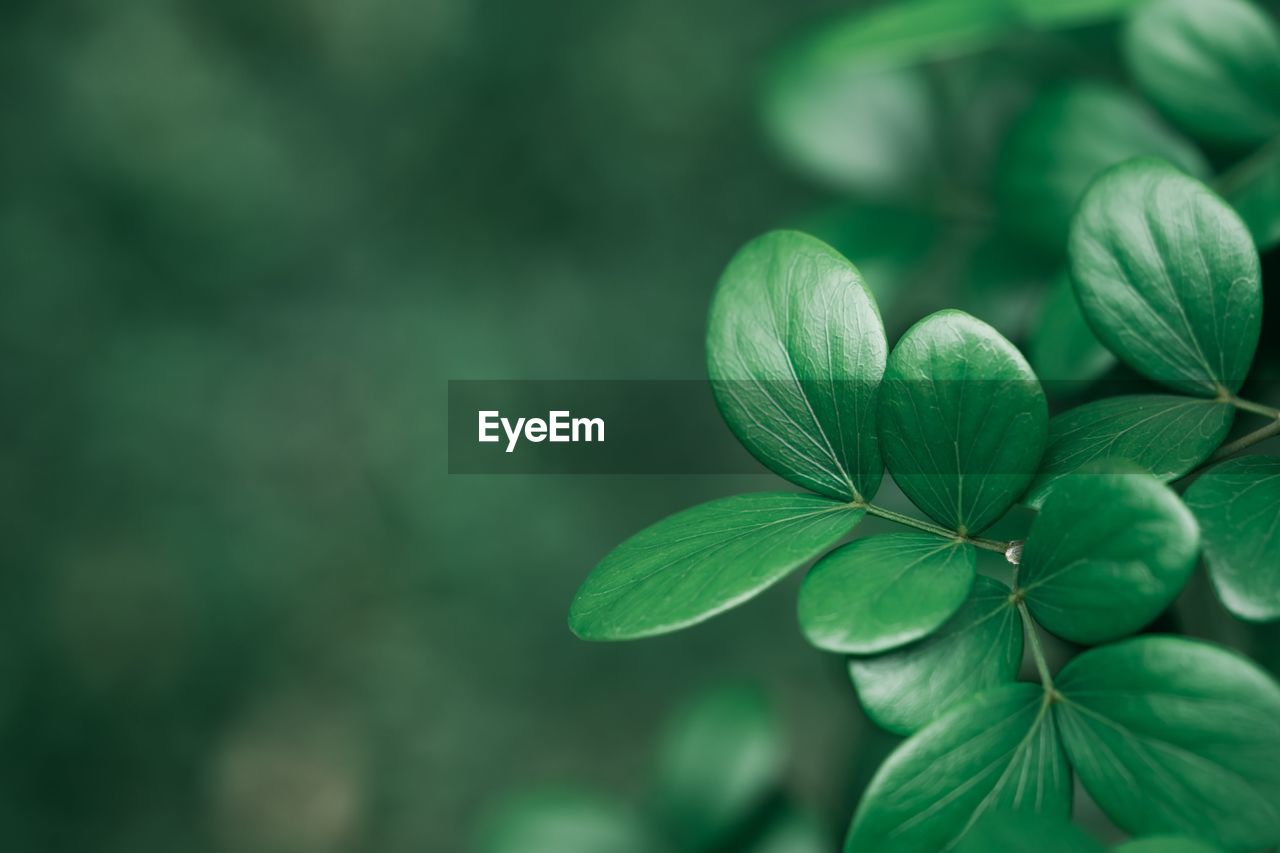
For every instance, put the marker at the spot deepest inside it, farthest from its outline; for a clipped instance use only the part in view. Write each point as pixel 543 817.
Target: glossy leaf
pixel 1063 347
pixel 1068 136
pixel 1163 434
pixel 880 592
pixel 796 351
pixel 963 420
pixel 704 560
pixel 1026 831
pixel 1171 735
pixel 997 751
pixel 1167 276
pixel 1165 844
pixel 563 821
pixel 1238 506
pixel 1110 549
pixel 1212 66
pixel 721 758
pixel 979 647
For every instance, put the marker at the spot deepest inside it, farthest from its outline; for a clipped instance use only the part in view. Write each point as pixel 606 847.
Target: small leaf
pixel 881 592
pixel 1063 141
pixel 1063 347
pixel 1028 831
pixel 1212 66
pixel 796 351
pixel 1171 735
pixel 704 560
pixel 979 647
pixel 1165 844
pixel 1163 434
pixel 1110 549
pixel 1238 506
pixel 963 420
pixel 995 752
pixel 563 821
pixel 720 760
pixel 1168 277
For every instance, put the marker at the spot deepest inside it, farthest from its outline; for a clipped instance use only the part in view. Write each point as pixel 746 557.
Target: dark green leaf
pixel 1025 831
pixel 1253 188
pixel 1063 347
pixel 1212 66
pixel 884 591
pixel 1064 13
pixel 1165 844
pixel 979 647
pixel 963 420
pixel 1238 506
pixel 1171 735
pixel 1110 549
pixel 1164 434
pixel 721 758
pixel 704 560
pixel 563 821
pixel 795 351
pixel 997 751
pixel 791 832
pixel 1168 277
pixel 1067 137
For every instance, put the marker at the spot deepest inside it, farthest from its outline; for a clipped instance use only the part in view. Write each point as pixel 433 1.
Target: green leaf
pixel 704 560
pixel 979 647
pixel 720 760
pixel 1110 549
pixel 998 751
pixel 881 592
pixel 1163 434
pixel 1028 831
pixel 1063 347
pixel 791 831
pixel 1168 277
pixel 1238 506
pixel 1067 136
pixel 796 351
pixel 1165 844
pixel 1253 188
pixel 1212 66
pixel 1065 13
pixel 1171 735
pixel 963 420
pixel 563 821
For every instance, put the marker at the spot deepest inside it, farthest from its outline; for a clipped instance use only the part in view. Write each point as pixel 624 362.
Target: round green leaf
pixel 1171 735
pixel 881 592
pixel 796 351
pixel 1212 66
pixel 963 420
pixel 1238 506
pixel 995 752
pixel 1028 831
pixel 1067 136
pixel 562 821
pixel 1063 347
pixel 704 560
pixel 1165 844
pixel 1168 277
pixel 721 758
pixel 1160 433
pixel 979 647
pixel 1110 549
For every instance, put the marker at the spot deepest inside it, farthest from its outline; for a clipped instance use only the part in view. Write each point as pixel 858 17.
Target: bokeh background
pixel 243 247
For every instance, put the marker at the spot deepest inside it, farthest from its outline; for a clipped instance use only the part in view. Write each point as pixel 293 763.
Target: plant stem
pixel 1256 408
pixel 1037 651
pixel 1244 441
pixel 935 529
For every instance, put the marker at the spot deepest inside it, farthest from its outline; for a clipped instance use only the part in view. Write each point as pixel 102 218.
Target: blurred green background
pixel 243 245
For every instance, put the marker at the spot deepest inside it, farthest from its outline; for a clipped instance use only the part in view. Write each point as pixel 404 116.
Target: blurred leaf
pixel 1163 434
pixel 1212 66
pixel 796 351
pixel 995 752
pixel 1027 831
pixel 1110 549
pixel 979 647
pixel 953 382
pixel 1253 188
pixel 1064 13
pixel 1067 136
pixel 1165 844
pixel 881 592
pixel 1238 506
pixel 563 822
pixel 1175 735
pixel 721 757
pixel 704 560
pixel 1063 347
pixel 1177 295
pixel 791 832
